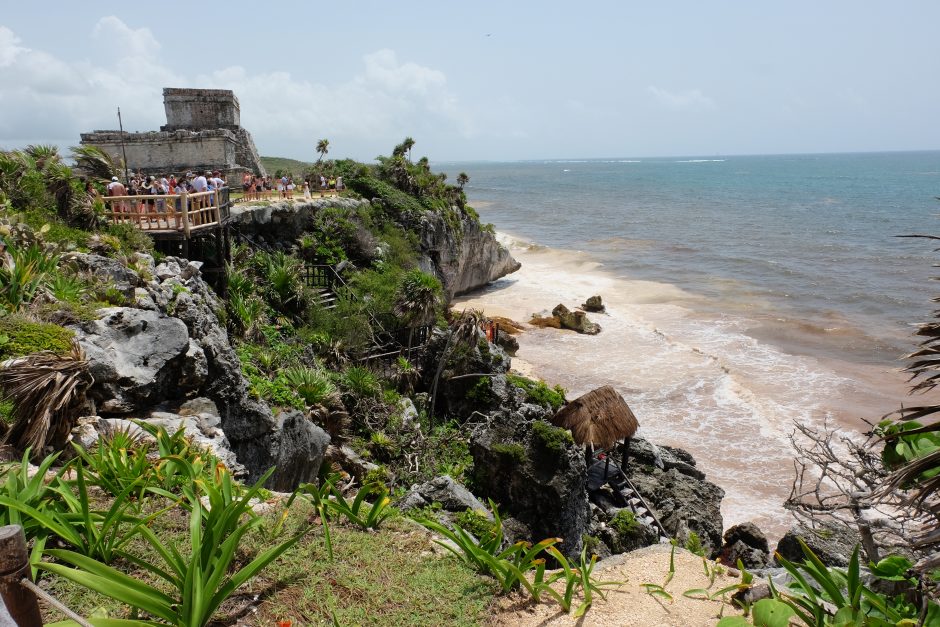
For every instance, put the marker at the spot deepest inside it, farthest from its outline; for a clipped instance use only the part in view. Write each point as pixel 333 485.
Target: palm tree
pixel 323 147
pixel 462 179
pixel 408 144
pixel 914 430
pixel 418 297
pixel 95 163
pixel 465 331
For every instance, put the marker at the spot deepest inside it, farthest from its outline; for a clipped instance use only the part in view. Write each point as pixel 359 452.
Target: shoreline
pixel 696 380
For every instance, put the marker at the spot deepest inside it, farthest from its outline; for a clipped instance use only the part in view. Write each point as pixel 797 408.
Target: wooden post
pixel 14 565
pixel 186 214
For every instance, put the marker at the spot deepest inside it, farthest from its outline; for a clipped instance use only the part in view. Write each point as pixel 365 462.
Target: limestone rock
pixel 135 357
pixel 350 461
pixel 452 496
pixel 677 491
pixel 594 304
pixel 302 446
pixel 545 490
pixel 575 320
pixel 832 544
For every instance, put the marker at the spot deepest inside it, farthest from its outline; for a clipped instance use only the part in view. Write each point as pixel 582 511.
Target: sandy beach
pixel 696 380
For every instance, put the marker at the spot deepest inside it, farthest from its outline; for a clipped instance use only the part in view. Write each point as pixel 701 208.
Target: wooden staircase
pixel 601 473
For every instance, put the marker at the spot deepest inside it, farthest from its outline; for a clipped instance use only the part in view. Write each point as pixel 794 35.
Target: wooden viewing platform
pixel 169 215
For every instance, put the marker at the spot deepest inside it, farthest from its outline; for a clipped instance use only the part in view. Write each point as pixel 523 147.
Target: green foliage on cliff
pixel 538 392
pixel 23 337
pixel 550 437
pixel 624 523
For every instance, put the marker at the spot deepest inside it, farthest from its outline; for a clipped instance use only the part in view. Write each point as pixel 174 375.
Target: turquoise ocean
pixel 744 293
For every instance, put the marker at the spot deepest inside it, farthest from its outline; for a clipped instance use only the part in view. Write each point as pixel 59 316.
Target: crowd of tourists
pixel 147 194
pixel 257 187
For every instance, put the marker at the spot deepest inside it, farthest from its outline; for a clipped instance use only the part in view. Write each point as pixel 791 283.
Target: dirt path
pixel 630 604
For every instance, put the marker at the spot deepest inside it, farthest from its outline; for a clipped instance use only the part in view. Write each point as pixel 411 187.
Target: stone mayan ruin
pixel 202 132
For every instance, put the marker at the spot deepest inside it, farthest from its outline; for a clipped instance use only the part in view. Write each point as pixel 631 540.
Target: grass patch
pixel 377 579
pixel 24 337
pixel 538 392
pixel 551 438
pixel 510 450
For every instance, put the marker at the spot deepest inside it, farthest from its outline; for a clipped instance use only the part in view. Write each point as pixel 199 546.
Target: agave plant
pixel 313 385
pixel 24 271
pixel 47 391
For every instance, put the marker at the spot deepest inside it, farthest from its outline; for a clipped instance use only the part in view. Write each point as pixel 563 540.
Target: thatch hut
pixel 599 419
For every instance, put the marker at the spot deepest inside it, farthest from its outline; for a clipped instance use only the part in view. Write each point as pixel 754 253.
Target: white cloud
pixel 690 100
pixel 124 40
pixel 387 99
pixel 9 48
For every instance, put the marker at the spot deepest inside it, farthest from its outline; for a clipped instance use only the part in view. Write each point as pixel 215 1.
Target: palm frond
pixel 46 390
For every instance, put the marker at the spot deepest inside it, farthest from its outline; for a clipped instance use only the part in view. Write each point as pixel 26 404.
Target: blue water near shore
pixel 744 294
pixel 807 240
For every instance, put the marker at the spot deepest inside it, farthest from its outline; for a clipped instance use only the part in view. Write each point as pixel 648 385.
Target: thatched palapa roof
pixel 600 418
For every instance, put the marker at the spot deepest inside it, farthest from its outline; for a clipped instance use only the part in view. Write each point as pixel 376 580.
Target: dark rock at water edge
pixel 594 304
pixel 575 320
pixel 681 497
pixel 833 544
pixel 747 543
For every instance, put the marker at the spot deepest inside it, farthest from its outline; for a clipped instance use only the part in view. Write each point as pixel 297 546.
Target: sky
pixel 488 80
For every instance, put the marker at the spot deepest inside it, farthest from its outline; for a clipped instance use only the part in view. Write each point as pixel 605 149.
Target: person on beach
pixel 307 190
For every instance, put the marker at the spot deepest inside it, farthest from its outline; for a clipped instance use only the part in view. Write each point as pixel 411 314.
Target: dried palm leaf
pixel 47 390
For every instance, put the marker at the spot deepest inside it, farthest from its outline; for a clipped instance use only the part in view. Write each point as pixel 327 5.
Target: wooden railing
pixel 167 213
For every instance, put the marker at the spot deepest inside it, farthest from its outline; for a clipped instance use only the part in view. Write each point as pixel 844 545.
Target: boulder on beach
pixel 564 318
pixel 594 304
pixel 575 320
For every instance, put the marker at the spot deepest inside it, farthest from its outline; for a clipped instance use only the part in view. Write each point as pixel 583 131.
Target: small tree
pixel 323 147
pixel 462 179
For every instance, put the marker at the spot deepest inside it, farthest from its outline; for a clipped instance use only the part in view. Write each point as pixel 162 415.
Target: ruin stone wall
pixel 200 109
pixel 173 152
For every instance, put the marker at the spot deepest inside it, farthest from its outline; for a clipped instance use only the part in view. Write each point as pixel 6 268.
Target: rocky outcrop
pixel 465 256
pixel 281 223
pixel 832 544
pixel 459 251
pixel 747 543
pixel 171 347
pixel 678 492
pixel 542 485
pixel 452 496
pixel 564 318
pixel 594 304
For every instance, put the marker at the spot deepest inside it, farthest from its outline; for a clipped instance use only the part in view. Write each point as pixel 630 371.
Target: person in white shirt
pixel 200 184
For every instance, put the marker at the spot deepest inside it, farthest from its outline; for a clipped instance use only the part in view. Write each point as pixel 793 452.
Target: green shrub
pixel 481 392
pixel 476 522
pixel 538 392
pixel 510 450
pixel 311 384
pixel 550 437
pixel 132 239
pixel 361 382
pixel 25 337
pixel 624 522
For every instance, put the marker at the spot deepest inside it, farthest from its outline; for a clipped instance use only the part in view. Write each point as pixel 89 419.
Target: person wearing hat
pixel 115 188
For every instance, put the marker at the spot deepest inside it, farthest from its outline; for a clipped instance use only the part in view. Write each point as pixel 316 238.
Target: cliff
pixel 460 252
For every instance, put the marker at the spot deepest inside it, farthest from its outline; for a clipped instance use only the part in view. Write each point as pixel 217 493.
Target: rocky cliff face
pixel 465 256
pixel 167 346
pixel 461 253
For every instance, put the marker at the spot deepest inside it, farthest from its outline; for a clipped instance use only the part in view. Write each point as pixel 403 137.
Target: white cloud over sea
pixel 689 100
pixel 53 100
